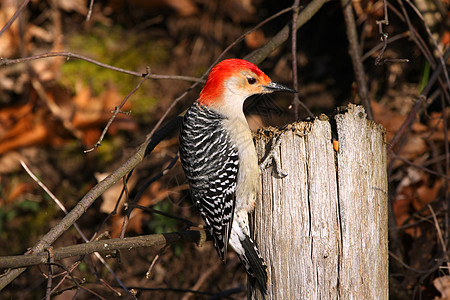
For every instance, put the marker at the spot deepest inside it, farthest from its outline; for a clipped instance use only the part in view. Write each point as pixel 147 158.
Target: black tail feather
pixel 254 265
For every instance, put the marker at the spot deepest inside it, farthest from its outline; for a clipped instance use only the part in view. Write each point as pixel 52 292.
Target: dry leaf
pixel 10 162
pixel 9 40
pixel 183 8
pixel 426 195
pixel 111 195
pixel 30 134
pixel 79 6
pixel 255 39
pixel 405 196
pixel 18 190
pixel 442 284
pixel 392 121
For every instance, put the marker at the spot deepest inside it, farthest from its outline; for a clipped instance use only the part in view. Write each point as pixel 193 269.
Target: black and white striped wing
pixel 211 164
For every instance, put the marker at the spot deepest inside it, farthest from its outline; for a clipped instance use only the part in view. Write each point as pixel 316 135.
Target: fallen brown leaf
pixel 442 284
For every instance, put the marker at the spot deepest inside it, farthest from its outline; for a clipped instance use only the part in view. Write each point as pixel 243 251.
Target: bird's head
pixel 232 81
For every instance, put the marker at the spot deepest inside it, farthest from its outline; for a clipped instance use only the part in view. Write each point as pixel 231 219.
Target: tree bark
pixel 323 229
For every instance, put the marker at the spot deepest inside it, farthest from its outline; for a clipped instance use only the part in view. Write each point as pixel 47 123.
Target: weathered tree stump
pixel 323 229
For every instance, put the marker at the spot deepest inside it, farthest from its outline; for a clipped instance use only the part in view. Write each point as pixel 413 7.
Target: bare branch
pixel 425 169
pixel 69 55
pixel 51 260
pixel 15 16
pixel 155 259
pixel 89 14
pixel 154 240
pixel 355 55
pixel 295 99
pixel 381 45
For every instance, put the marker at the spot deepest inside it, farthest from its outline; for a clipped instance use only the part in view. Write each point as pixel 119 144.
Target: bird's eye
pixel 251 80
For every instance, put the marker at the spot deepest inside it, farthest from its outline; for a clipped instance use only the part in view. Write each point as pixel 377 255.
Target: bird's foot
pixel 272 158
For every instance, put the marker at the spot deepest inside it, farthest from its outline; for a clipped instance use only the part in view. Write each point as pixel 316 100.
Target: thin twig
pixel 420 43
pixel 114 211
pixel 417 108
pixel 135 200
pixel 383 35
pixel 381 45
pixel 402 133
pixel 51 260
pixel 89 14
pixel 118 294
pixel 407 123
pixel 425 50
pixel 355 55
pixel 384 38
pixel 155 259
pixel 398 259
pixel 295 99
pixel 384 42
pixel 425 169
pixel 439 234
pixel 14 17
pixel 117 110
pixel 68 273
pixel 111 271
pixel 447 170
pixel 69 55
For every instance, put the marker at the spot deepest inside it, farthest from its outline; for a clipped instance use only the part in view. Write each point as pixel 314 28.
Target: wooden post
pixel 323 229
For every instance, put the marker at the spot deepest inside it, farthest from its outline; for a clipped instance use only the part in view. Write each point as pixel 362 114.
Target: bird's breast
pixel 248 176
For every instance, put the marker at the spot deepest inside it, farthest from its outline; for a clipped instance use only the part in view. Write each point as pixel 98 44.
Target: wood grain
pixel 322 229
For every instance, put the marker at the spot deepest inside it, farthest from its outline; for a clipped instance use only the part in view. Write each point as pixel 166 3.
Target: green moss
pixel 118 48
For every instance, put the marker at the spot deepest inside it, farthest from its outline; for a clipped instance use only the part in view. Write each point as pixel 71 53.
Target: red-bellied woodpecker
pixel 220 162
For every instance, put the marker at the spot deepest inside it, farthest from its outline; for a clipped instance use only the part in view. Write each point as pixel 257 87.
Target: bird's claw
pixel 273 159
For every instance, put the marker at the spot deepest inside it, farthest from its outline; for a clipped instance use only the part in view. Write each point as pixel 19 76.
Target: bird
pixel 220 161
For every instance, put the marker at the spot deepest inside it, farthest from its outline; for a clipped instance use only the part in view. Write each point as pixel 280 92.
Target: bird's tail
pixel 254 264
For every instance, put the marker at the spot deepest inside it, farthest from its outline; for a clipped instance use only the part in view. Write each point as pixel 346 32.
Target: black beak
pixel 276 87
